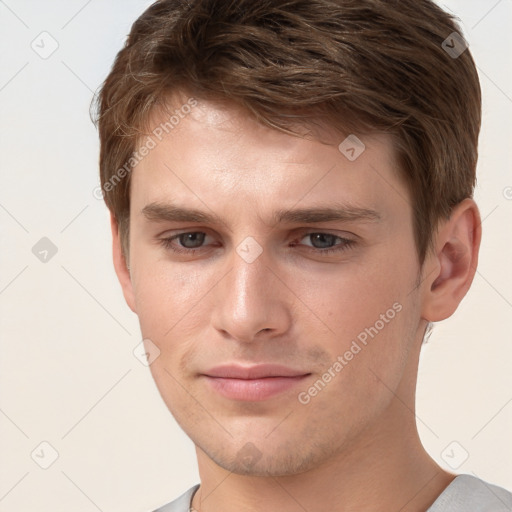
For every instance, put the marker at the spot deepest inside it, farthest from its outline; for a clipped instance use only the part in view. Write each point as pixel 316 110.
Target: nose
pixel 252 302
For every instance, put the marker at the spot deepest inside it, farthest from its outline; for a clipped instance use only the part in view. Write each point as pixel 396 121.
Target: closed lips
pixel 253 372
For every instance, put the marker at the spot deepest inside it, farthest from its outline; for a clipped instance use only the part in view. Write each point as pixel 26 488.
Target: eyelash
pixel 345 245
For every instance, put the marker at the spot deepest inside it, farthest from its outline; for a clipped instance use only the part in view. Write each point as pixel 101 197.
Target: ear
pixel 123 274
pixel 451 267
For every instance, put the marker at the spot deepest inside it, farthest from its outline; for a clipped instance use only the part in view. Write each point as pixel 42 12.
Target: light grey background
pixel 68 375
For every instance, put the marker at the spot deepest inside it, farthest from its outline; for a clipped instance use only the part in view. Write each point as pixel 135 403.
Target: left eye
pixel 324 240
pixel 324 243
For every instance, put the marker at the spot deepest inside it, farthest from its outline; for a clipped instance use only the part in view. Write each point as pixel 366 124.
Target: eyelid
pixel 327 231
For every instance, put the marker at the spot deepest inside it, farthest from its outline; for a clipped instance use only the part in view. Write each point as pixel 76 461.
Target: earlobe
pixel 120 265
pixel 455 260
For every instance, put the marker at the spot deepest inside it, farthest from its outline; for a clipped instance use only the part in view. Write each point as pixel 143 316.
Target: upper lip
pixel 233 371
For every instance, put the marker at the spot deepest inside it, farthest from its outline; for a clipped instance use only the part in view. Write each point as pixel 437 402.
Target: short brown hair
pixel 359 65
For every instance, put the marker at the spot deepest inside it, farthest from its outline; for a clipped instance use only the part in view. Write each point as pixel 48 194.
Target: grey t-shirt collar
pixel 465 493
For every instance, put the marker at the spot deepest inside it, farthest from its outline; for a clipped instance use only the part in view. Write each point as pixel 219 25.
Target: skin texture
pixel 354 445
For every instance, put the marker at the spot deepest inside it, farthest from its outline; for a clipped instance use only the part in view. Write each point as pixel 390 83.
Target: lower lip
pixel 253 389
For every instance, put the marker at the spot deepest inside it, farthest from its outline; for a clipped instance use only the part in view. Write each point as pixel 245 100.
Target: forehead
pixel 206 152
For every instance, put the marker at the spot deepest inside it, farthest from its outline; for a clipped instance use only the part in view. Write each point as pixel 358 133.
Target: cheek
pixel 358 297
pixel 166 297
pixel 167 306
pixel 371 311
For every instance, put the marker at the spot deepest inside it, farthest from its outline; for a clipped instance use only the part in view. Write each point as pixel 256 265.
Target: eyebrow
pixel 167 212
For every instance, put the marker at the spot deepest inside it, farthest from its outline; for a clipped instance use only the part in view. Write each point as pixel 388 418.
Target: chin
pixel 249 460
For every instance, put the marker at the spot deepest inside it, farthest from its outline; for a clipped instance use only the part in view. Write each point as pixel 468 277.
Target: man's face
pixel 256 291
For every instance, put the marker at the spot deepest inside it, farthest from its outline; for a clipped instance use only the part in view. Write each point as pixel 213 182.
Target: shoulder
pixel 467 492
pixel 180 504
